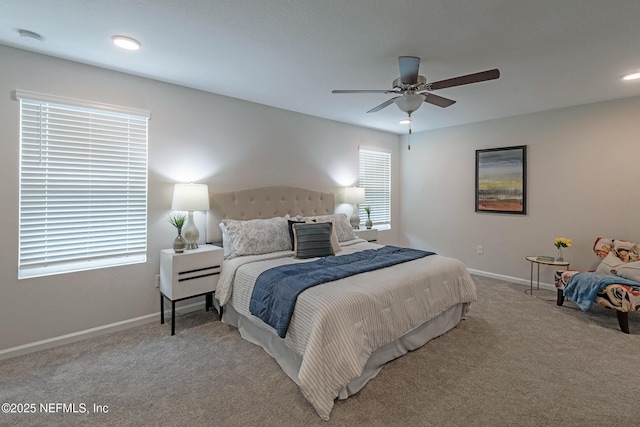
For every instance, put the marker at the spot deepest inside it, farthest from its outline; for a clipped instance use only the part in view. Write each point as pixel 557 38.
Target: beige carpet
pixel 518 360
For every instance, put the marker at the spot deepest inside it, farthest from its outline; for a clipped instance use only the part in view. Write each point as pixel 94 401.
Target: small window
pixel 83 185
pixel 375 177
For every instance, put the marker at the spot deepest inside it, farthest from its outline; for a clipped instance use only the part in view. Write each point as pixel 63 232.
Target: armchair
pixel 614 284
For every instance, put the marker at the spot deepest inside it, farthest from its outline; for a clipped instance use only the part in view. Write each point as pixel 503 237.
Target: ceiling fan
pixel 415 90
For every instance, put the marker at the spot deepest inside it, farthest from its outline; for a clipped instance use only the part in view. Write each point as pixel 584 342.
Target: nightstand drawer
pixel 193 282
pixel 190 273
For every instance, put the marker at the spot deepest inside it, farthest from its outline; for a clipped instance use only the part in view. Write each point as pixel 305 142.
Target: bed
pixel 341 333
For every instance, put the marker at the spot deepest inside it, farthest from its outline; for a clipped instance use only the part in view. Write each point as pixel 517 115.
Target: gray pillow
pixel 312 240
pixel 291 222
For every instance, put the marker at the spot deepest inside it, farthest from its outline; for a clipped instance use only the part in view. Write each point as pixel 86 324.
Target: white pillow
pixel 609 264
pixel 630 270
pixel 258 236
pixel 341 224
pixel 227 244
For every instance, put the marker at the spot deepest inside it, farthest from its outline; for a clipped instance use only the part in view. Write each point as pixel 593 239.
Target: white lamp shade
pixel 354 195
pixel 190 197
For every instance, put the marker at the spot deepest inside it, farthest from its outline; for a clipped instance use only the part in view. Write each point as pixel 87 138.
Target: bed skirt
pixel 290 361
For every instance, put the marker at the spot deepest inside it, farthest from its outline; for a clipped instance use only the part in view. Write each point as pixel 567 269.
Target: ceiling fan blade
pixel 360 91
pixel 383 105
pixel 440 101
pixel 409 69
pixel 465 80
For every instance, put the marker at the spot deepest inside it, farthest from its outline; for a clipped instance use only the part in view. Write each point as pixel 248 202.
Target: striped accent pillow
pixel 311 240
pixel 291 222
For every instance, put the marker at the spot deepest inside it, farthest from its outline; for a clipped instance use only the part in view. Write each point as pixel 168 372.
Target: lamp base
pixel 355 218
pixel 190 233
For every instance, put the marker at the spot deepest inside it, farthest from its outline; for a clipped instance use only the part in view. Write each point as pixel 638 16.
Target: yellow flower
pixel 562 242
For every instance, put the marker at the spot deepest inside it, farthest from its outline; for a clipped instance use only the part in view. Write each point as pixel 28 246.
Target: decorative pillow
pixel 340 222
pixel 626 251
pixel 602 246
pixel 634 253
pixel 630 270
pixel 290 226
pixel 258 236
pixel 312 240
pixel 609 264
pixel 227 244
pixel 335 243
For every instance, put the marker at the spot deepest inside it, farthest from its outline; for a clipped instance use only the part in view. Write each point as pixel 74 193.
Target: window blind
pixel 83 186
pixel 375 177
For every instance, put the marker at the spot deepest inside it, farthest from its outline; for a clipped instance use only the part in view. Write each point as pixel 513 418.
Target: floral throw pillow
pixel 258 236
pixel 626 251
pixel 602 246
pixel 622 258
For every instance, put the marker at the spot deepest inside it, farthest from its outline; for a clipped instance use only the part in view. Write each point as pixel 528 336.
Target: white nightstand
pixel 370 235
pixel 187 275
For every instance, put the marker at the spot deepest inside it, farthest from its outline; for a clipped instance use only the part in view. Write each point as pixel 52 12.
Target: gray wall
pixel 193 136
pixel 583 173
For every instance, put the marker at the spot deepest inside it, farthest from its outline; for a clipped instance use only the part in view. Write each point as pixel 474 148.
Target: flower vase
pixel 179 243
pixel 559 256
pixel 368 224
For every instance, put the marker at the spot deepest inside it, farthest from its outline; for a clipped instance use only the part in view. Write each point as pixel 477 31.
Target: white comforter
pixel 337 325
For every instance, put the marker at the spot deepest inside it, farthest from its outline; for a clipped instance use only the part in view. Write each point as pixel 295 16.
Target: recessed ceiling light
pixel 633 76
pixel 30 35
pixel 126 42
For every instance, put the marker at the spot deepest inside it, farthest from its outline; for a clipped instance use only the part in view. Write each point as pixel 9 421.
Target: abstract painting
pixel 501 180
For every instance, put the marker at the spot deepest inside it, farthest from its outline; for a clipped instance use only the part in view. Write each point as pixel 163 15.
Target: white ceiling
pixel 290 54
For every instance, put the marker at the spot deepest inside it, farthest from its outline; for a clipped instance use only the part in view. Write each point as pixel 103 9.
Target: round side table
pixel 538 261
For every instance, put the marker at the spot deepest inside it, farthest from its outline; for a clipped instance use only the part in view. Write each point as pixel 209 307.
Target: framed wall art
pixel 501 180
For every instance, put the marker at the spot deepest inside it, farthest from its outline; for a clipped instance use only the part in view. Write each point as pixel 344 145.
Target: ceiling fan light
pixel 126 42
pixel 406 121
pixel 410 102
pixel 633 76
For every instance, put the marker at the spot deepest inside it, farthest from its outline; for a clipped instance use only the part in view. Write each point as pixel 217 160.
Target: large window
pixel 83 185
pixel 375 177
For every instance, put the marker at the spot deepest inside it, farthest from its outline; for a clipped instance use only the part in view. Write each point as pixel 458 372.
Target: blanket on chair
pixel 582 288
pixel 276 290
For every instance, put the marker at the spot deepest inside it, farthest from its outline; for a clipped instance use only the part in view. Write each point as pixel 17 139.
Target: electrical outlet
pixel 480 250
pixel 157 280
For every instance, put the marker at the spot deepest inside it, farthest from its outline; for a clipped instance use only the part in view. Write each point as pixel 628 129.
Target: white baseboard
pixel 97 331
pixel 130 323
pixel 511 279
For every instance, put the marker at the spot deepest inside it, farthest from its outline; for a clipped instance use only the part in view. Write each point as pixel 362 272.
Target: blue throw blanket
pixel 583 287
pixel 276 290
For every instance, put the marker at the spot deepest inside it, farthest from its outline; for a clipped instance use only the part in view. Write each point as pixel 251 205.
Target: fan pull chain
pixel 409 146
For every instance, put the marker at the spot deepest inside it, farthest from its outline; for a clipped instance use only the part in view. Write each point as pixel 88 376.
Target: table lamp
pixel 354 195
pixel 190 197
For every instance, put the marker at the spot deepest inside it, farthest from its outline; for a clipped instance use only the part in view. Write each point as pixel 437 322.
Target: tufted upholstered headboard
pixel 265 202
